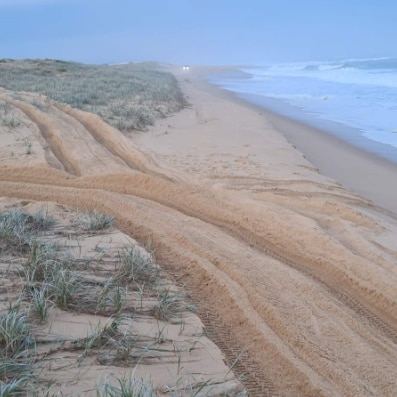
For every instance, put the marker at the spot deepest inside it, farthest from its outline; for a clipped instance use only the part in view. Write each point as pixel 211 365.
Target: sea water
pixel 360 94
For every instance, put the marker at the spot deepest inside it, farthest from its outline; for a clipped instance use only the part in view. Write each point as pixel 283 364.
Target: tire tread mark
pixel 352 303
pixel 243 367
pixel 53 140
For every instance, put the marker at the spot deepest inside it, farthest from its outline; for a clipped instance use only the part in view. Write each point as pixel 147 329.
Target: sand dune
pixel 284 264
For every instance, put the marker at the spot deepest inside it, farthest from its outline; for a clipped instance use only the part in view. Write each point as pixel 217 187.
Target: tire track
pixel 347 299
pixel 223 217
pixel 141 186
pixel 116 143
pixel 118 195
pixel 50 135
pixel 167 245
pixel 240 362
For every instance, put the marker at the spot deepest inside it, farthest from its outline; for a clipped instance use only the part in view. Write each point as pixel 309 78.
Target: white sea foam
pixel 372 72
pixel 360 93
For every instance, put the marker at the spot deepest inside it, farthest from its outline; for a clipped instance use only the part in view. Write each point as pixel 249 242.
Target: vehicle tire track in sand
pixel 49 133
pixel 171 251
pixel 115 142
pixel 168 250
pixel 210 210
pixel 146 204
pixel 95 158
pixel 256 383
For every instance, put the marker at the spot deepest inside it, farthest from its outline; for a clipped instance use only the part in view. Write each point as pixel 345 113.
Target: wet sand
pixel 367 173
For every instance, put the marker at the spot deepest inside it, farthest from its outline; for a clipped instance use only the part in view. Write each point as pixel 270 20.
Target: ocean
pixel 354 99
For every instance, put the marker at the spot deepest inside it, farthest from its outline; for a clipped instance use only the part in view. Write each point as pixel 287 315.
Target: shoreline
pixel 351 134
pixel 365 173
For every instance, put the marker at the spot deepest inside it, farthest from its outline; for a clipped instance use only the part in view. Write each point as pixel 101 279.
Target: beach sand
pixel 367 174
pixel 294 274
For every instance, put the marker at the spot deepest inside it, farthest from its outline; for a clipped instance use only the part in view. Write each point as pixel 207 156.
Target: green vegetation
pixel 136 266
pixel 126 388
pixel 169 305
pixel 17 229
pixel 8 118
pixel 45 278
pixel 94 221
pixel 129 97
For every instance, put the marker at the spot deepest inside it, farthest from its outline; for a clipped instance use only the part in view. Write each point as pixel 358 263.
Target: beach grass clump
pixel 129 97
pixel 136 266
pixel 13 388
pixel 169 305
pixel 62 288
pixel 94 221
pixel 41 303
pixel 14 333
pixel 124 387
pixel 7 117
pixel 13 228
pixel 103 297
pixel 113 345
pixel 41 220
pixel 50 278
pixel 109 298
pixel 43 258
pixel 15 351
pixel 17 227
pixel 63 285
pixel 101 337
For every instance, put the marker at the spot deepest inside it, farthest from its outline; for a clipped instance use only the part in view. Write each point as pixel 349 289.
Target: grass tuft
pixel 16 227
pixel 63 284
pixel 41 303
pixel 42 258
pixel 13 388
pixel 170 305
pixel 14 334
pixel 137 266
pixel 42 221
pixel 131 387
pixel 94 221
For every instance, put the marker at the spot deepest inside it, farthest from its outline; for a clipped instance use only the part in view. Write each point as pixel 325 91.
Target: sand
pixel 287 266
pixel 365 173
pixel 168 355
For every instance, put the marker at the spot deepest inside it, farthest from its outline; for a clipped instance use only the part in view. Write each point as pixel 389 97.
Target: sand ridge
pixel 300 270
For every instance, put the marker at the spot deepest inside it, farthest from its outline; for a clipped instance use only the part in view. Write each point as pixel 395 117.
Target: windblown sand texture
pixel 294 271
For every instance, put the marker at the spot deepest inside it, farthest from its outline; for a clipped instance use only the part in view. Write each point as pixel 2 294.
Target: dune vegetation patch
pixel 128 96
pixel 84 310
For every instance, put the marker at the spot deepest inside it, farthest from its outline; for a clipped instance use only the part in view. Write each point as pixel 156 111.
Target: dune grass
pixel 51 279
pixel 129 97
pixel 94 221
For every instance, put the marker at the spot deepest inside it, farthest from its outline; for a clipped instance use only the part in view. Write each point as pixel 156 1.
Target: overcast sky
pixel 198 31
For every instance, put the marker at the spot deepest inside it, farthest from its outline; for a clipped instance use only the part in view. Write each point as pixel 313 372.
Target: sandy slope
pixel 285 264
pixel 168 356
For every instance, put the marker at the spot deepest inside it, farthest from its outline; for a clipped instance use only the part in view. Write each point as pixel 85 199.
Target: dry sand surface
pixel 292 274
pixel 86 342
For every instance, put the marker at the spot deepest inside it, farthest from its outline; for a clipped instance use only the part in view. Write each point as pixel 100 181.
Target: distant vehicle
pixel 186 67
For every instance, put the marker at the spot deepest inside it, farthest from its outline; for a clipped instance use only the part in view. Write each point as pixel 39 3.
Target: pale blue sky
pixel 198 31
